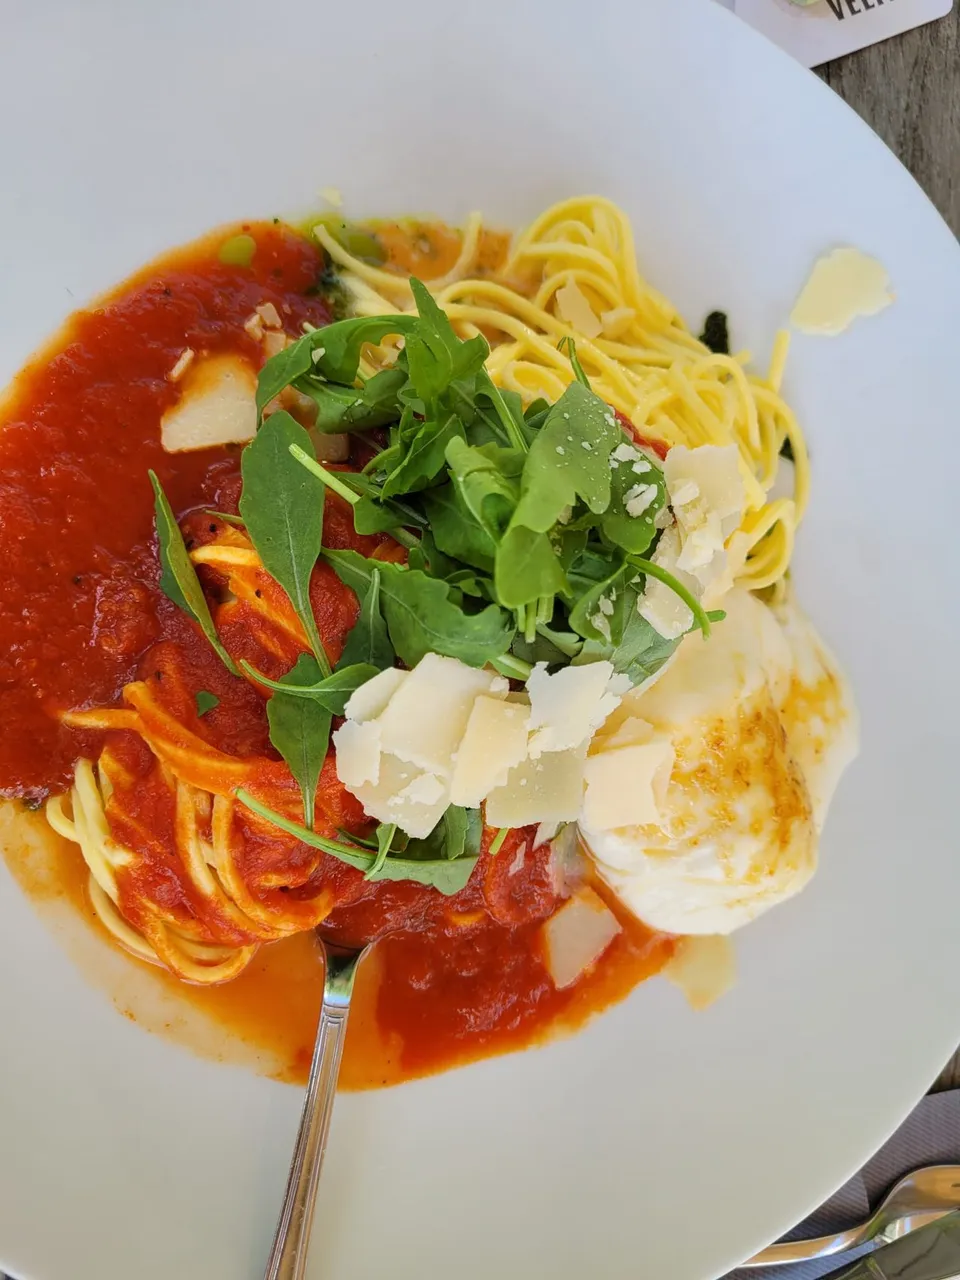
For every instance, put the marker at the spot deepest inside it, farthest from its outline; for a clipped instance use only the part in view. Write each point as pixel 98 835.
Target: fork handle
pixel 288 1257
pixel 777 1255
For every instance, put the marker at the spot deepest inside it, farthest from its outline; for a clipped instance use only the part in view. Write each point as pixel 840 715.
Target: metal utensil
pixel 917 1199
pixel 930 1253
pixel 288 1256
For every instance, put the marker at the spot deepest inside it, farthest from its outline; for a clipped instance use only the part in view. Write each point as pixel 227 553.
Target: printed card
pixel 819 30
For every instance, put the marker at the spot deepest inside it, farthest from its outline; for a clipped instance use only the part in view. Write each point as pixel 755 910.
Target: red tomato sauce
pixel 81 615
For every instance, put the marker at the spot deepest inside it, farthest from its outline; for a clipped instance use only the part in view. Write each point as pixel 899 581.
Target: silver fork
pixel 288 1257
pixel 916 1200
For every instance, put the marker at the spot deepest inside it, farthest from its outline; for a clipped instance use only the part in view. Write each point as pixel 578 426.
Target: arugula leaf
pixel 205 701
pixel 424 459
pixel 633 533
pixel 368 642
pixel 487 477
pixel 178 577
pixel 300 730
pixel 570 347
pixel 508 407
pixel 497 843
pixel 642 650
pixel 341 343
pixel 435 355
pixel 282 507
pixel 385 834
pixel 458 833
pixel 443 874
pixel 422 616
pixel 225 516
pixel 355 408
pixel 527 567
pixel 331 692
pixel 569 459
pixel 595 615
pixel 455 530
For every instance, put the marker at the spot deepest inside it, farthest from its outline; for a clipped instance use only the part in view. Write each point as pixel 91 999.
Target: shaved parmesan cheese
pixel 661 606
pixel 545 831
pixel 543 790
pixel 495 740
pixel 333 196
pixel 270 316
pixel 427 715
pixel 370 700
pixel 616 322
pixel 217 405
pixel 843 285
pixel 708 497
pixel 425 789
pixel 623 785
pixel 273 343
pixel 566 708
pixel 704 968
pixel 358 752
pixel 410 797
pixel 253 327
pixel 576 936
pixel 577 311
pixel 628 733
pixel 182 365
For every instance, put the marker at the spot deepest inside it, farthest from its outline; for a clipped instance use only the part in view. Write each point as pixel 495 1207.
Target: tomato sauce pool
pixel 80 605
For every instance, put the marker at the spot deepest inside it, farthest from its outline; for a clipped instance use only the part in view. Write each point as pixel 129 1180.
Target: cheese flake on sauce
pixel 217 405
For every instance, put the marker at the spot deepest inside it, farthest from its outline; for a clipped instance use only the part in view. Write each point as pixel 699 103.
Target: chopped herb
pixel 498 840
pixel 205 701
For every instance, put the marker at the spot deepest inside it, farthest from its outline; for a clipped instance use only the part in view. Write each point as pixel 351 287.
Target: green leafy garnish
pixel 205 701
pixel 497 842
pixel 527 540
pixel 282 507
pixel 422 614
pixel 368 643
pixel 570 347
pixel 330 692
pixel 300 729
pixel 178 577
pixel 447 875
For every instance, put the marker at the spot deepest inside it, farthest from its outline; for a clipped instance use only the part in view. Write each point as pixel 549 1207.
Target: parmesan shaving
pixel 576 936
pixel 217 405
pixel 495 740
pixel 577 311
pixel 566 708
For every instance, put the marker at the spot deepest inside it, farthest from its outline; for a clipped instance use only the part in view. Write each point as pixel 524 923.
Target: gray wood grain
pixel 908 90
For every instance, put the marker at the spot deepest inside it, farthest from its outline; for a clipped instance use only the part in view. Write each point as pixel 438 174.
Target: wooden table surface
pixel 908 90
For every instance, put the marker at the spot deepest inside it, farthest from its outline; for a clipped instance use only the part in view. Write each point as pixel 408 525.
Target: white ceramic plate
pixel 658 1142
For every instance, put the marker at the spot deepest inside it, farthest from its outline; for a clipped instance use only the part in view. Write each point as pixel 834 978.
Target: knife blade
pixel 930 1253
